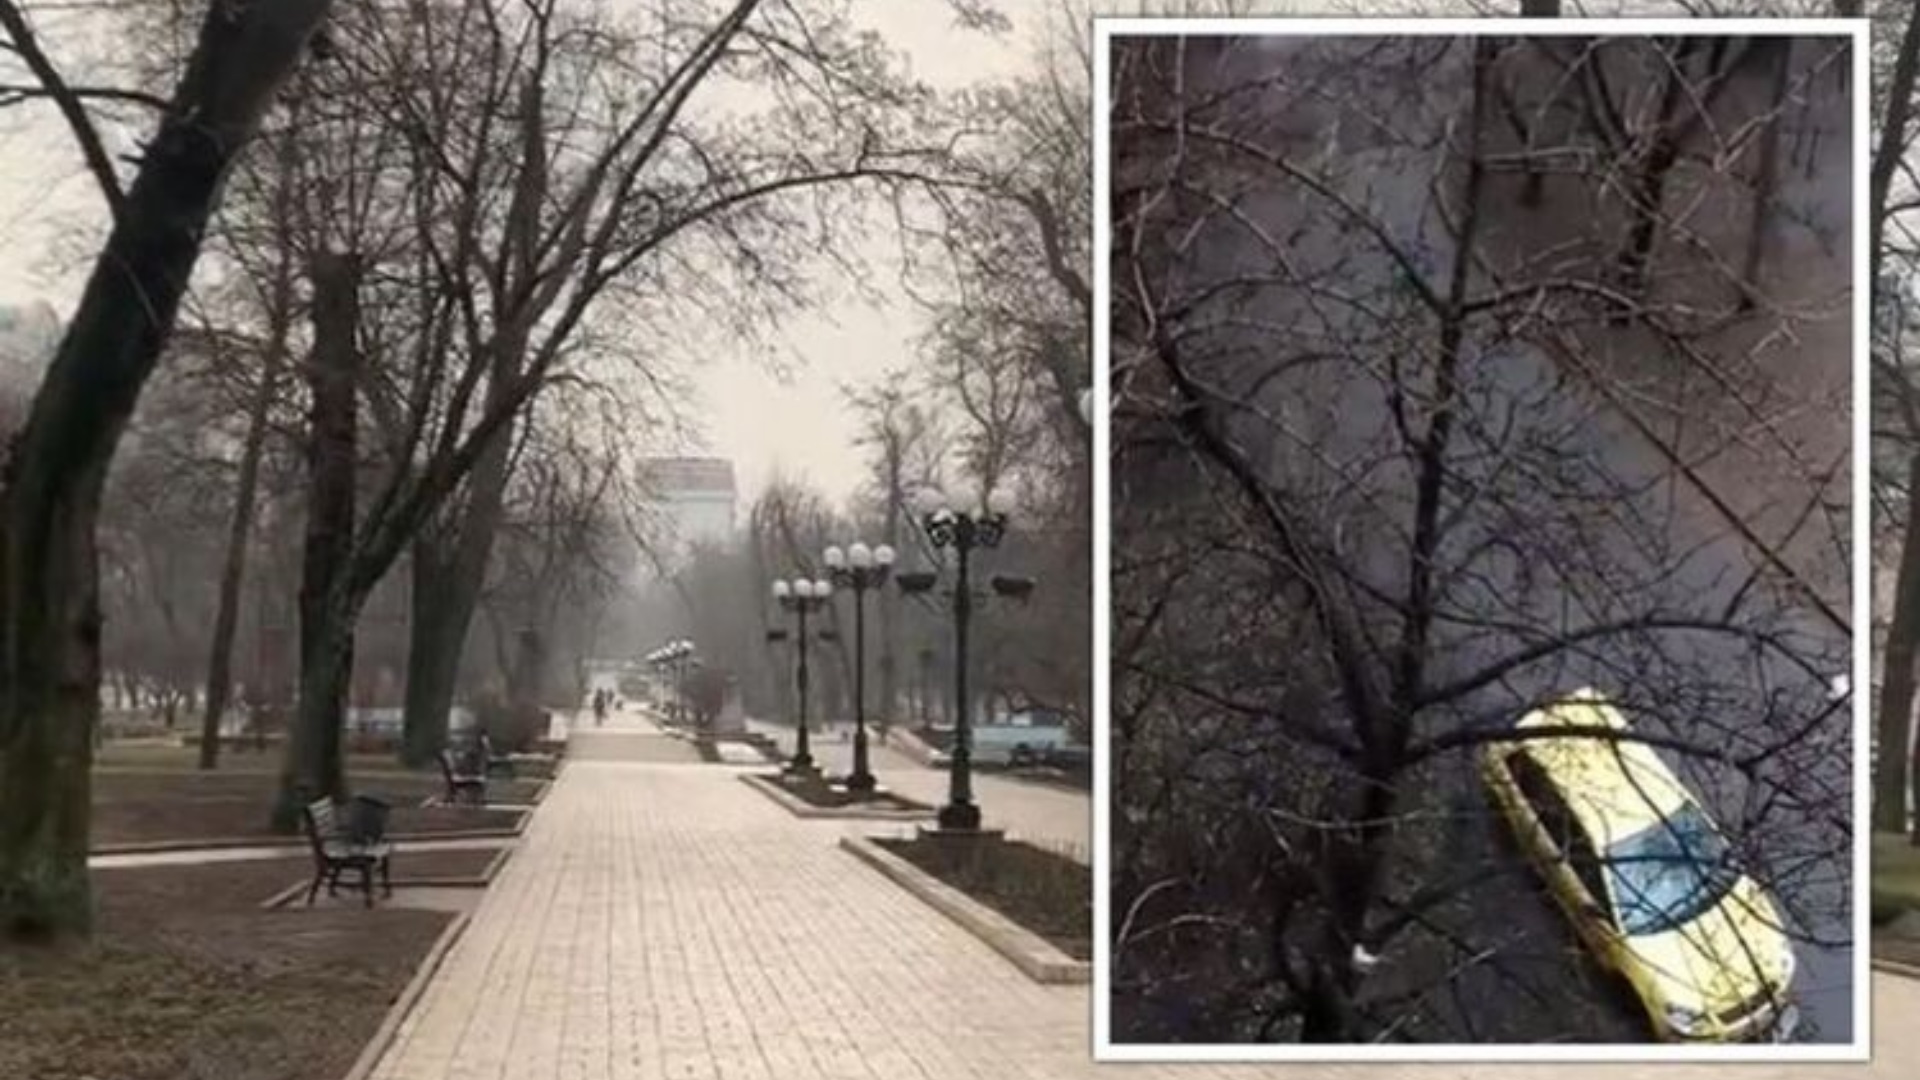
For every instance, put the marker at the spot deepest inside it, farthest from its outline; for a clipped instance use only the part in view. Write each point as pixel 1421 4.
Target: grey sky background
pixel 793 421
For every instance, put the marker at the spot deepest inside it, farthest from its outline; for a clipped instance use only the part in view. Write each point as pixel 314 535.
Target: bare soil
pixel 1048 894
pixel 187 979
pixel 165 804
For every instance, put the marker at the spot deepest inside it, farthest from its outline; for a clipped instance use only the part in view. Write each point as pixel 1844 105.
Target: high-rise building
pixel 694 499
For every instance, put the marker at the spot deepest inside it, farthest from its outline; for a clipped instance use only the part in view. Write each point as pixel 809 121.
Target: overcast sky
pixel 795 422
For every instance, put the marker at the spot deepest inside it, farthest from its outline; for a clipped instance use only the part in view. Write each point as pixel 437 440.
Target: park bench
pixel 491 762
pixel 359 844
pixel 462 786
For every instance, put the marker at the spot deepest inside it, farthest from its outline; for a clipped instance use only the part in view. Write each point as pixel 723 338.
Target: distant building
pixel 693 499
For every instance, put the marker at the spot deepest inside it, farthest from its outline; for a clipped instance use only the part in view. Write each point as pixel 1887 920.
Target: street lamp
pixel 963 531
pixel 672 660
pixel 860 568
pixel 801 597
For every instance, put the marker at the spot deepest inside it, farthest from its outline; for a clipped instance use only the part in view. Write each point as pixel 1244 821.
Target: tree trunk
pixel 1765 179
pixel 443 610
pixel 884 602
pixel 1648 189
pixel 933 709
pixel 314 764
pixel 1895 722
pixel 49 574
pixel 529 665
pixel 1892 146
pixel 246 485
pixel 330 601
pixel 233 571
pixel 436 638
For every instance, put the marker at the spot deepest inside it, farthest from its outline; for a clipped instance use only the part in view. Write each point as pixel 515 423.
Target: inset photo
pixel 1485 542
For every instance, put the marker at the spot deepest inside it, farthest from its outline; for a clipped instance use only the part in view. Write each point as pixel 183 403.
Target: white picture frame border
pixel 1858 1048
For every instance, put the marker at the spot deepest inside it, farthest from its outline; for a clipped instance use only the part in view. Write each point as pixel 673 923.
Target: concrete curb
pixel 801 808
pixel 492 870
pixel 218 843
pixel 709 745
pixel 296 846
pixel 1036 957
pixel 905 741
pixel 384 1035
pixel 1896 967
pixel 284 896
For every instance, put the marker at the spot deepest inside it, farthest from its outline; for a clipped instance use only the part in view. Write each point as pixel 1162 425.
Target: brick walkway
pixel 661 920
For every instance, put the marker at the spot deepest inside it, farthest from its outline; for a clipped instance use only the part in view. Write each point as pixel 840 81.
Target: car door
pixel 1568 859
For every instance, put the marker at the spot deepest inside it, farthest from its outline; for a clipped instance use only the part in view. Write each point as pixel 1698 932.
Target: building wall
pixel 694 501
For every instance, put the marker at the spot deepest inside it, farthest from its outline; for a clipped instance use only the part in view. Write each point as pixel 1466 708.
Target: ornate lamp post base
pixel 862 784
pixel 959 818
pixel 801 765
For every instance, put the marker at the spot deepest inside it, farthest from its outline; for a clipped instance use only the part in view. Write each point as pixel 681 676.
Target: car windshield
pixel 1666 875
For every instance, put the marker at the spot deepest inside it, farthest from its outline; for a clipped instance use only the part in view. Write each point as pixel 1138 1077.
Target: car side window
pixel 1561 824
pixel 1543 797
pixel 1586 866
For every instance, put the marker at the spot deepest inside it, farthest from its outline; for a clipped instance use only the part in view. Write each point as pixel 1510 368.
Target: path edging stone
pixel 801 808
pixel 416 987
pixel 226 843
pixel 1896 967
pixel 1035 956
pixel 485 878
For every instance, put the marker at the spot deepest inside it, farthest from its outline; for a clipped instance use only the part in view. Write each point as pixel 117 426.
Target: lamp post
pixel 860 568
pixel 657 660
pixel 964 532
pixel 671 660
pixel 684 661
pixel 802 598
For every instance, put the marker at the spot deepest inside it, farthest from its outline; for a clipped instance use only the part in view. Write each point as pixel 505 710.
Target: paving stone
pixel 662 921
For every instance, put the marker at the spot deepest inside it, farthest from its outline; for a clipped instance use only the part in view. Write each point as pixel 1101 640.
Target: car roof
pixel 1617 787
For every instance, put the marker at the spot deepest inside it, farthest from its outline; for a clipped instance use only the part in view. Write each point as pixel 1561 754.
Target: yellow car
pixel 1647 879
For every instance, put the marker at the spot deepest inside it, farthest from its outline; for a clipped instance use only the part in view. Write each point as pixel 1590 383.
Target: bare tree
pixel 49 591
pixel 556 567
pixel 904 442
pixel 273 286
pixel 1890 211
pixel 555 171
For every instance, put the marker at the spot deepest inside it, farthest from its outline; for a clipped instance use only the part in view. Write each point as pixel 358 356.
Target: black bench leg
pixel 386 876
pixel 333 880
pixel 313 890
pixel 366 882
